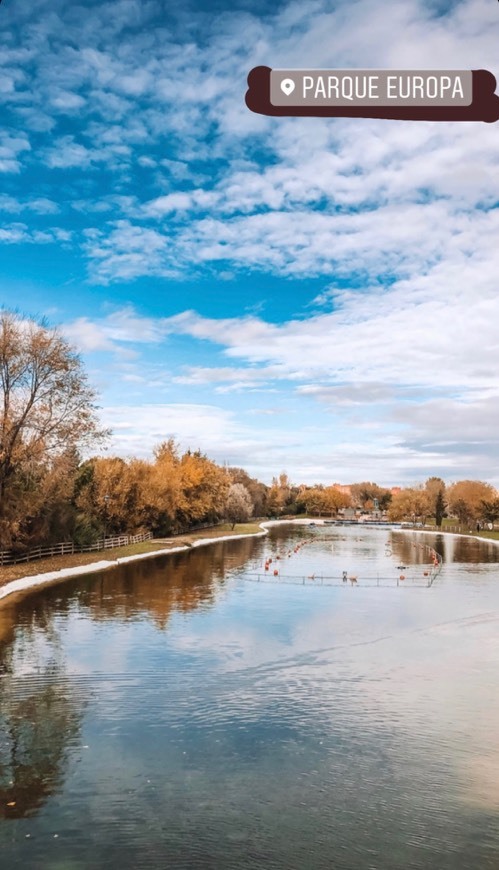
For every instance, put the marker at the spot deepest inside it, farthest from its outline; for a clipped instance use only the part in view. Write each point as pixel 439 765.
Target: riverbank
pixel 17 581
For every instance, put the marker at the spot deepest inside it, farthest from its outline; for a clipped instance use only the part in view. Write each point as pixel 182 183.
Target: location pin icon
pixel 287 87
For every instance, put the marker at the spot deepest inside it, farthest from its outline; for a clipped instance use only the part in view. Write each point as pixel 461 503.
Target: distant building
pixel 343 487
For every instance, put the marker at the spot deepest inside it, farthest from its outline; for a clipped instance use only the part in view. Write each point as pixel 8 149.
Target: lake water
pixel 194 711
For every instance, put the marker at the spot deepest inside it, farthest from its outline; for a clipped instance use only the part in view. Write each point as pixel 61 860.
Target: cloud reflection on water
pixel 363 717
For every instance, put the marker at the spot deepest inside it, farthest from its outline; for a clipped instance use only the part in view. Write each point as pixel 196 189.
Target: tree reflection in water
pixel 413 548
pixel 39 720
pixel 40 714
pixel 162 586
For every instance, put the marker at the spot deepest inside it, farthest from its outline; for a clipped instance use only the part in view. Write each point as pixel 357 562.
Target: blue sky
pixel 312 295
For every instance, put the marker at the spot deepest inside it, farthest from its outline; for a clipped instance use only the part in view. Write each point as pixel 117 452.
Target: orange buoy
pixel 402 577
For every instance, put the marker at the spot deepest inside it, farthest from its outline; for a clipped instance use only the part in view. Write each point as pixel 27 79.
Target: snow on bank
pixel 50 577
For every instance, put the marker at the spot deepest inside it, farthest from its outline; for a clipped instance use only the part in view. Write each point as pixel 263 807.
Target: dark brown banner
pixel 484 105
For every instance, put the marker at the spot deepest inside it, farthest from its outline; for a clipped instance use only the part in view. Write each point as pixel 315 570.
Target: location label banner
pixel 413 95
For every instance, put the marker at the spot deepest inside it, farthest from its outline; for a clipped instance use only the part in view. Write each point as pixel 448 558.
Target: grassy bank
pixel 453 527
pixel 57 563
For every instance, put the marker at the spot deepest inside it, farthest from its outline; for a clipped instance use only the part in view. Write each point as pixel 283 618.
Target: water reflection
pixel 36 730
pixel 471 550
pixel 412 548
pixel 39 715
pixel 177 583
pixel 236 725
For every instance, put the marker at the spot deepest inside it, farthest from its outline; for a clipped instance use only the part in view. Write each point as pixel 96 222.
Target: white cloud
pixel 40 205
pixel 383 404
pixel 128 251
pixel 20 233
pixel 215 430
pixel 151 88
pixel 10 149
pixel 119 327
pixel 66 101
pixel 405 213
pixel 66 154
pixel 200 375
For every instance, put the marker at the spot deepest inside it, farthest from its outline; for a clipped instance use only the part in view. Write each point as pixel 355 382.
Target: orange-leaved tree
pixel 47 408
pixel 465 499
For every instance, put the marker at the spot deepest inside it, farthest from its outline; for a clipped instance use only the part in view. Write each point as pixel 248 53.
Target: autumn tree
pixel 362 493
pixel 46 410
pixel 465 499
pixel 411 503
pixel 110 496
pixel 333 499
pixel 313 499
pixel 49 514
pixel 279 495
pixel 204 489
pixel 239 506
pixel 166 497
pixel 461 509
pixel 176 490
pixel 489 510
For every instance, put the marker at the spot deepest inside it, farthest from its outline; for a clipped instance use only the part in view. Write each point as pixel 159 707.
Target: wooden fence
pixel 11 557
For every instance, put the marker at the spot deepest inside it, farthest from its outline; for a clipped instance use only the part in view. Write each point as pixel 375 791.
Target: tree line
pixel 466 501
pixel 50 491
